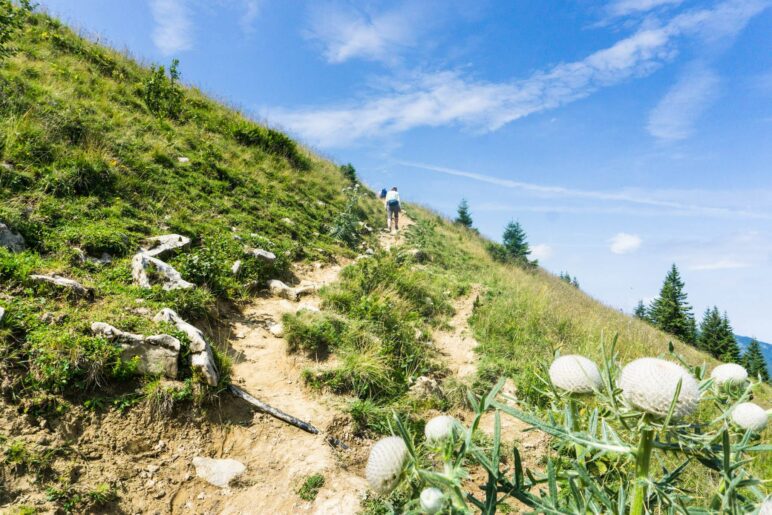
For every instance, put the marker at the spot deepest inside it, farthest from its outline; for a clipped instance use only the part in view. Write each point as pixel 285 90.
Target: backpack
pixel 393 202
pixel 383 193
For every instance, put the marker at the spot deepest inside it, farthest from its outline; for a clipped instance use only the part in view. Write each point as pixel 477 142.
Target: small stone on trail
pixel 218 472
pixel 264 255
pixel 280 289
pixel 276 329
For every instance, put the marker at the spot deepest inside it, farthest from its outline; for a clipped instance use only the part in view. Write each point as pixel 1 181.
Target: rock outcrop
pixel 68 286
pixel 157 354
pixel 11 240
pixel 202 358
pixel 165 245
pixel 171 279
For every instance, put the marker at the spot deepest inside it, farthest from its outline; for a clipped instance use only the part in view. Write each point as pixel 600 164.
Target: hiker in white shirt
pixel 392 208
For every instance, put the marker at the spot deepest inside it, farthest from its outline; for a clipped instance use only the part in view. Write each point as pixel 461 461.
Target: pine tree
pixel 753 360
pixel 710 332
pixel 670 311
pixel 464 216
pixel 515 242
pixel 729 351
pixel 575 282
pixel 641 312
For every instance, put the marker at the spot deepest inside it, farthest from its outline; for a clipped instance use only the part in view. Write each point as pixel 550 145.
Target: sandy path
pixel 280 457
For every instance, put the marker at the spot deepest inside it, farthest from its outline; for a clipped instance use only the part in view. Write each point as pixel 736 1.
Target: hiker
pixel 382 196
pixel 392 208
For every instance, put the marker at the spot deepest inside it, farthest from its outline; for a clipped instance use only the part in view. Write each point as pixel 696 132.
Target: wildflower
pixel 439 428
pixel 650 384
pixel 431 500
pixel 387 458
pixel 729 373
pixel 748 415
pixel 575 374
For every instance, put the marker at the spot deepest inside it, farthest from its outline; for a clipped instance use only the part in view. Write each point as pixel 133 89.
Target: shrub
pixel 313 333
pixel 11 20
pixel 349 172
pixel 15 267
pixel 345 227
pixel 163 95
pixel 210 265
pixel 271 141
pixel 84 176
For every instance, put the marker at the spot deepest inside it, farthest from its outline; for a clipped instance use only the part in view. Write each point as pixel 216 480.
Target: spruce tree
pixel 670 311
pixel 464 216
pixel 640 311
pixel 710 337
pixel 515 242
pixel 753 361
pixel 729 351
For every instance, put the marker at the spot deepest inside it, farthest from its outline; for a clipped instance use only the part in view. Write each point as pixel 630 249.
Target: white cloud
pixel 250 14
pixel 721 264
pixel 623 243
pixel 645 198
pixel 448 98
pixel 541 251
pixel 346 33
pixel 173 28
pixel 675 115
pixel 626 7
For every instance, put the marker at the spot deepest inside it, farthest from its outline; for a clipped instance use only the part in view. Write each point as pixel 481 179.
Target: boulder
pixel 69 286
pixel 11 240
pixel 157 354
pixel 172 280
pixel 218 472
pixel 165 245
pixel 202 358
pixel 264 255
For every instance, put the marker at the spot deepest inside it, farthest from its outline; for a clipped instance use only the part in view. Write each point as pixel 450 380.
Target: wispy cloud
pixel 347 33
pixel 721 264
pixel 675 115
pixel 449 98
pixel 627 7
pixel 173 28
pixel 631 197
pixel 624 243
pixel 541 251
pixel 251 11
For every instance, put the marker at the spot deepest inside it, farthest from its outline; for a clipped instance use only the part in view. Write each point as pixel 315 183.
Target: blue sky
pixel 624 135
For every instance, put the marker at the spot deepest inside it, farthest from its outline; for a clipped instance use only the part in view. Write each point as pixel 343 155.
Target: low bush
pixel 272 142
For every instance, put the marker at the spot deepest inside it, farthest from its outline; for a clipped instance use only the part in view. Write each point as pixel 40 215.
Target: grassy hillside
pixel 90 167
pixel 88 170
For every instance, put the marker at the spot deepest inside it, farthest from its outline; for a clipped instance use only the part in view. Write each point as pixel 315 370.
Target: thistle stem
pixel 574 413
pixel 642 462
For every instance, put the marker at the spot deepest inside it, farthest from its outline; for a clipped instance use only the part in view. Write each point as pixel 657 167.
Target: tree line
pixel 671 312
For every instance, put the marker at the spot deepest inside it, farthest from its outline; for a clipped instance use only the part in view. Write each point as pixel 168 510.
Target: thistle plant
pixel 622 438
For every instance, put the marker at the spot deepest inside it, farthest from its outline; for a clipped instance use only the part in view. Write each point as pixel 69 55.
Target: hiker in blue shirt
pixel 392 208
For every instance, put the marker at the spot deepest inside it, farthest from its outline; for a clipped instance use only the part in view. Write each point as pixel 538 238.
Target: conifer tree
pixel 464 216
pixel 753 360
pixel 729 351
pixel 641 312
pixel 670 311
pixel 710 331
pixel 515 242
pixel 574 282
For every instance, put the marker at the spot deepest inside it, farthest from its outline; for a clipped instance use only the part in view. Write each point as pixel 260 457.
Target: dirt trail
pixel 280 457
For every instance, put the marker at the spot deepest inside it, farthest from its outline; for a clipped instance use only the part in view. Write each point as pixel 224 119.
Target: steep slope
pixel 90 169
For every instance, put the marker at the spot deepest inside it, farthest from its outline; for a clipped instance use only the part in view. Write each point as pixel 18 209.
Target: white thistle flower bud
pixel 575 374
pixel 766 507
pixel 748 415
pixel 439 428
pixel 387 457
pixel 431 500
pixel 729 373
pixel 650 384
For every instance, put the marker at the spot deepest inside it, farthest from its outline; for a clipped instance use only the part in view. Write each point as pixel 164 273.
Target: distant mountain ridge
pixel 766 348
